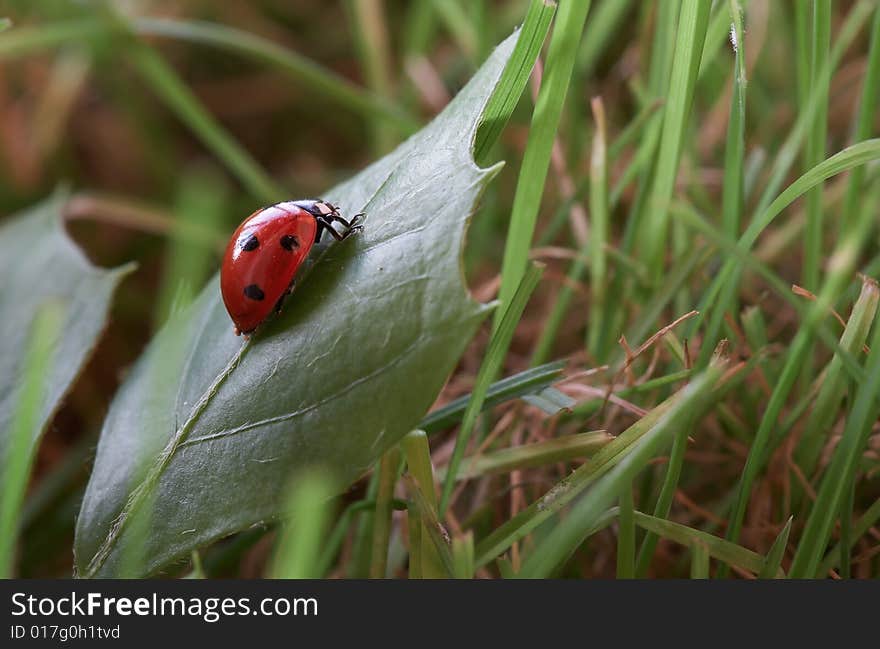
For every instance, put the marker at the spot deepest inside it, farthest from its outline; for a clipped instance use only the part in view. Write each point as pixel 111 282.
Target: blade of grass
pixel 589 407
pixel 846 513
pixel 301 69
pixel 514 77
pixel 371 39
pixel 23 41
pixel 561 449
pixel 833 387
pixel 717 35
pixel 862 526
pixel 606 20
pixel 690 37
pixel 421 471
pixel 337 536
pixel 530 381
pixel 734 152
pixel 594 250
pixel 551 401
pixel 718 548
pixel 802 20
pixel 200 205
pixel 181 100
pixel 727 278
pixel 432 531
pixel 536 159
pixel 664 500
pixel 815 145
pixel 491 365
pixel 310 503
pixel 389 466
pixel 20 449
pixel 842 469
pixel 864 123
pixel 414 525
pixel 626 535
pixel 459 25
pixel 699 560
pixel 27 40
pixel 599 231
pixel 773 562
pixel 662 53
pixel 463 556
pixel 358 567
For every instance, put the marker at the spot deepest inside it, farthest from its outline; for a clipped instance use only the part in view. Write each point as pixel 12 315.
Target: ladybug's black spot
pixel 254 292
pixel 251 243
pixel 289 242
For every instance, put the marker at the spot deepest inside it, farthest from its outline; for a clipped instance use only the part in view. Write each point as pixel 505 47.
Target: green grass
pixel 309 508
pixel 690 37
pixel 536 157
pixel 498 346
pixel 582 434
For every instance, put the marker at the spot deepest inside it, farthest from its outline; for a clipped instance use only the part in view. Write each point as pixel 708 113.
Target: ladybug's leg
pixel 333 233
pixel 326 223
pixel 348 224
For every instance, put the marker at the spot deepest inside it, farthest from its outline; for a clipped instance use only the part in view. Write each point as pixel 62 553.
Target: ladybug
pixel 265 252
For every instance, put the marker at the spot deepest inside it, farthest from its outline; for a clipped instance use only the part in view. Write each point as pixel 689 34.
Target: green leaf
pixel 39 264
pixel 42 269
pixel 351 365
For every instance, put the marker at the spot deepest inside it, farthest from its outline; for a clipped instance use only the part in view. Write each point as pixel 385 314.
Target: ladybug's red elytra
pixel 265 252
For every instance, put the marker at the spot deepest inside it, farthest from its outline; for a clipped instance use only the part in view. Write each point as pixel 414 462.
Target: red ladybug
pixel 265 252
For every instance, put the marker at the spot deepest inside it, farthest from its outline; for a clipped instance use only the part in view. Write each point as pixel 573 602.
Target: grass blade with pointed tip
pixel 718 548
pixel 688 53
pixel 773 562
pixel 536 159
pixel 515 76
